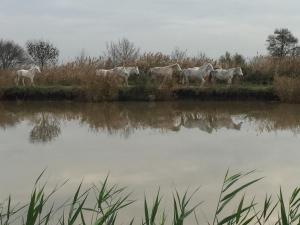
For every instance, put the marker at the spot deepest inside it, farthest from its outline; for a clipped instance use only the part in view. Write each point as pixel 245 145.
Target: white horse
pixel 29 74
pixel 199 73
pixel 126 72
pixel 122 72
pixel 104 73
pixel 166 72
pixel 226 74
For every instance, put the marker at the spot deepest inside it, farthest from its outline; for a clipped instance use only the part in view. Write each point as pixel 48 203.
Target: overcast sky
pixel 210 26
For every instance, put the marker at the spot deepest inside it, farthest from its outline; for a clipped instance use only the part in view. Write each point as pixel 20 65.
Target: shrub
pixel 262 70
pixel 288 88
pixel 7 78
pixel 97 88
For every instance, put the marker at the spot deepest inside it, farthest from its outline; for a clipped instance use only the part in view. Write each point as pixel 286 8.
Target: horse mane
pixel 175 65
pixel 237 69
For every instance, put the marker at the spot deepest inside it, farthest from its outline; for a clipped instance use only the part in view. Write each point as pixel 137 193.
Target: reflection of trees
pixel 106 118
pixel 7 119
pixel 46 128
pixel 283 117
pixel 125 118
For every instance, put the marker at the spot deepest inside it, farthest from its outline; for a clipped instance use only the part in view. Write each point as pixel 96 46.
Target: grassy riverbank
pixel 139 93
pixel 102 204
pixel 265 78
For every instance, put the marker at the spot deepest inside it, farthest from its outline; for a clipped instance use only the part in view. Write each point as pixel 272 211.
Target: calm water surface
pixel 148 145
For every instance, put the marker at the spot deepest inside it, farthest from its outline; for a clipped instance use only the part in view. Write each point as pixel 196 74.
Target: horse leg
pixel 32 83
pixel 229 81
pixel 213 80
pixel 182 80
pixel 163 82
pixel 202 82
pixel 187 81
pixel 23 81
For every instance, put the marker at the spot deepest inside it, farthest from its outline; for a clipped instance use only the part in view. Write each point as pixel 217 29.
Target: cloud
pixel 157 25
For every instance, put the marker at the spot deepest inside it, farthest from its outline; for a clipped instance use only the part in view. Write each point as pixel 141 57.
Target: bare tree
pixel 11 54
pixel 122 52
pixel 45 130
pixel 178 55
pixel 203 57
pixel 42 52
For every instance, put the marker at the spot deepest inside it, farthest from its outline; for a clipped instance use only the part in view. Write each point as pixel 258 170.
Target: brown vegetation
pixel 288 88
pixel 80 73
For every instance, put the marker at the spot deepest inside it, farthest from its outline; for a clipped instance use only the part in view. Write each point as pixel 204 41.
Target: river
pixel 144 146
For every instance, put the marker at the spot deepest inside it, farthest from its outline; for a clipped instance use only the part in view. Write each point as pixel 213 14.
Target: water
pixel 148 145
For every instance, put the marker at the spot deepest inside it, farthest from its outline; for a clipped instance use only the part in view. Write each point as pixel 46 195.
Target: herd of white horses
pixel 163 74
pixel 202 73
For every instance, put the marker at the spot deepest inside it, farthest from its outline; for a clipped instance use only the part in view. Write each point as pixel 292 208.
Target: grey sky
pixel 210 26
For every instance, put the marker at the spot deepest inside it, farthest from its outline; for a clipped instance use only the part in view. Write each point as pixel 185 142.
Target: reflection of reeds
pixel 233 206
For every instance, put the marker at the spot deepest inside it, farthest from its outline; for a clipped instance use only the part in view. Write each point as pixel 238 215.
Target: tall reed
pixel 110 200
pixel 288 88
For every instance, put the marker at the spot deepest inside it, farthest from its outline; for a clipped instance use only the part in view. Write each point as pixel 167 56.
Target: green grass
pixel 142 93
pixel 40 93
pixel 232 207
pixel 222 92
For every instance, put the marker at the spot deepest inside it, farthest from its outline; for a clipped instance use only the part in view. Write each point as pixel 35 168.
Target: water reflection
pixel 143 145
pixel 209 122
pixel 125 118
pixel 46 128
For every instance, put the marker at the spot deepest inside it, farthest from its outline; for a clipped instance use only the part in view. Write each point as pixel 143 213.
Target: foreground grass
pixel 139 93
pixel 110 200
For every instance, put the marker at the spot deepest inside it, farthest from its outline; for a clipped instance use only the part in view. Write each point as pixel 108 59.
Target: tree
pixel 281 43
pixel 178 55
pixel 122 52
pixel 238 60
pixel 225 60
pixel 42 52
pixel 229 60
pixel 296 51
pixel 11 54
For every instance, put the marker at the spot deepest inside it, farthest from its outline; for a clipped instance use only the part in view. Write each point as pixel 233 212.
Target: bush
pixel 288 88
pixel 97 88
pixel 262 70
pixel 7 78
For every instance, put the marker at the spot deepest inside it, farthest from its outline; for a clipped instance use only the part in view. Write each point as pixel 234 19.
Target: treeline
pixel 282 44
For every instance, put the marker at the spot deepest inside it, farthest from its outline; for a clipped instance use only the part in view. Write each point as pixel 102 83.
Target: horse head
pixel 238 71
pixel 209 67
pixel 135 70
pixel 176 67
pixel 36 69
